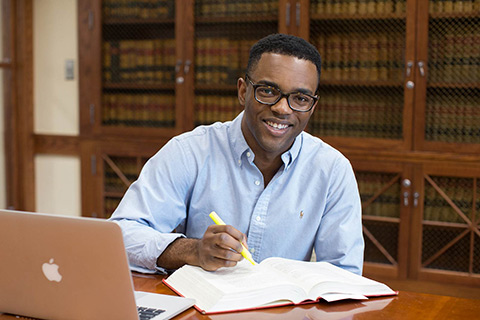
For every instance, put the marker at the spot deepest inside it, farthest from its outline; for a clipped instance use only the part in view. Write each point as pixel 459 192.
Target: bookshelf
pixel 399 97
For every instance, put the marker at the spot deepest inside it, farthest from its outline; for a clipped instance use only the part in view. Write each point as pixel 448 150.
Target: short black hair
pixel 286 45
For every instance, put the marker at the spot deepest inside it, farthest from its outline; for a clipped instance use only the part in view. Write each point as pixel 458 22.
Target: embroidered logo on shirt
pixel 301 214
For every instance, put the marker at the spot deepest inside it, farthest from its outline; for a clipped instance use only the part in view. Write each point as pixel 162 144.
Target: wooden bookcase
pixel 399 97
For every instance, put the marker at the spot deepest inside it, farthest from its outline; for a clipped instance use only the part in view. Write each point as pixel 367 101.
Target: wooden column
pixel 20 173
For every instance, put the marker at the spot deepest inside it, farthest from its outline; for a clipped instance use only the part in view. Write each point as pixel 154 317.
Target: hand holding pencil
pixel 245 253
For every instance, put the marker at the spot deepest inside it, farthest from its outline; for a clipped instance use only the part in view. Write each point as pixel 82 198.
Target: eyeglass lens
pixel 271 95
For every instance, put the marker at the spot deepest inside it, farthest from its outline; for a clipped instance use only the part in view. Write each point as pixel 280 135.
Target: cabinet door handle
pixel 92 113
pixel 421 66
pixel 178 65
pixel 287 15
pixel 297 16
pixel 416 195
pixel 409 68
pixel 405 198
pixel 186 68
pixel 90 20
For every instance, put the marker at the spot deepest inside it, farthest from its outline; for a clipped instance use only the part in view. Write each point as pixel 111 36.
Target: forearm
pixel 219 247
pixel 180 252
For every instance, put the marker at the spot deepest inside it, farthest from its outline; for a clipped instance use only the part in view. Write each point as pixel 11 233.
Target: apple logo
pixel 50 270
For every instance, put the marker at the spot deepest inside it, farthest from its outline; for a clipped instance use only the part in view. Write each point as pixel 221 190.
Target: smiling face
pixel 271 130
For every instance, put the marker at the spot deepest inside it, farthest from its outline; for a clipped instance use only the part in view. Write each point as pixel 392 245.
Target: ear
pixel 241 91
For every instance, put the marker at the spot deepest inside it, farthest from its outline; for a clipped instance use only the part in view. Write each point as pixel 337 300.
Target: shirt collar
pixel 240 146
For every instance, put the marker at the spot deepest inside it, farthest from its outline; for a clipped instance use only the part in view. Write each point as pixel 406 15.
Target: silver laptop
pixel 58 267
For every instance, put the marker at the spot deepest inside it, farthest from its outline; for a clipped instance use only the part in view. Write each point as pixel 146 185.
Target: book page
pixel 319 278
pixel 243 286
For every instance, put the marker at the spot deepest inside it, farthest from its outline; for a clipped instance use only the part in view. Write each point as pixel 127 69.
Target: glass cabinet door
pixel 450 68
pixel 366 63
pixel 138 55
pixel 224 32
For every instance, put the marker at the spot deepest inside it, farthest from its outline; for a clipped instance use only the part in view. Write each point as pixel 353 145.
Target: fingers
pixel 220 247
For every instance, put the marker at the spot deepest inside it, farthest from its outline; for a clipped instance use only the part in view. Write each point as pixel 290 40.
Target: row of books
pixel 212 108
pixel 113 183
pixel 440 210
pixel 109 205
pixel 361 7
pixel 361 114
pixel 215 8
pixel 220 60
pixel 365 57
pixel 138 110
pixel 436 208
pixel 454 55
pixel 146 61
pixel 147 110
pixel 453 118
pixel 383 206
pixel 388 203
pixel 138 9
pixel 454 6
pixel 459 190
pixel 130 168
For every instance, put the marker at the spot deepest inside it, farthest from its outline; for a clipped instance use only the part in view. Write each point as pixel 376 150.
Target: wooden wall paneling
pixel 421 81
pixel 302 19
pixel 89 56
pixel 184 83
pixel 90 180
pixel 8 57
pixel 56 144
pixel 22 156
pixel 410 56
pixel 415 226
pixel 286 16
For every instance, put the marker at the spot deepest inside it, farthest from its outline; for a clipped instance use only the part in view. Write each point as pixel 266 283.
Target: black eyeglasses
pixel 269 95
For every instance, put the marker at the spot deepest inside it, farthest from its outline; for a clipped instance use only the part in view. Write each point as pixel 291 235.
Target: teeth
pixel 277 125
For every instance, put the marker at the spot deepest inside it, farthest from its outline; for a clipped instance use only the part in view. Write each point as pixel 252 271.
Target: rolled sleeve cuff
pixel 152 249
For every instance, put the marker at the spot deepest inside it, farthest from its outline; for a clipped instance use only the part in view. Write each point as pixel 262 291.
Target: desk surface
pixel 407 305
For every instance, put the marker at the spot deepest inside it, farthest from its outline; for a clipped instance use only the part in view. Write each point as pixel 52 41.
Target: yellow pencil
pixel 245 253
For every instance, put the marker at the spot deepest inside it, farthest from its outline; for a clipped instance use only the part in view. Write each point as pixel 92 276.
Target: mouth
pixel 276 128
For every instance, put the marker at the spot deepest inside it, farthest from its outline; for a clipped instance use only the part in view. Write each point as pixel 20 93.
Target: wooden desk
pixel 407 305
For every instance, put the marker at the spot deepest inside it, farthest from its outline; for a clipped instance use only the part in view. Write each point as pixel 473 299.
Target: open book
pixel 273 282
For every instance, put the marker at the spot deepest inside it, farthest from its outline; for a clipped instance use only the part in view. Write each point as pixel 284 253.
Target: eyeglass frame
pixel 286 95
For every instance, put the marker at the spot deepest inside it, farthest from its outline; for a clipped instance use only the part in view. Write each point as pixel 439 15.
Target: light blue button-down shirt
pixel 311 203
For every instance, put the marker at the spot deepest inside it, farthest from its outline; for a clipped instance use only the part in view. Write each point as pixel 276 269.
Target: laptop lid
pixel 58 267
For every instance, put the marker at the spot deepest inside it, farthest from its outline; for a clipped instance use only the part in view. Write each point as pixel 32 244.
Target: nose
pixel 282 107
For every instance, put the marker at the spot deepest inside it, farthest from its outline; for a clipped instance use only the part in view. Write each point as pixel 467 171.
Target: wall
pixel 3 201
pixel 57 178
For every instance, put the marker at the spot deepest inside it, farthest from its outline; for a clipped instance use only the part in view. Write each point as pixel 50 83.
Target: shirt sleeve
pixel 154 206
pixel 340 238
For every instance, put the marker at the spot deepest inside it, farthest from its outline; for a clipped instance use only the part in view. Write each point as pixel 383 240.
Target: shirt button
pixel 258 218
pixel 239 162
pixel 248 154
pixel 252 250
pixel 257 182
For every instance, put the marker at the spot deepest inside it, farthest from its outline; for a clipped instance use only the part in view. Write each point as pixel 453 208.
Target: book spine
pixel 200 50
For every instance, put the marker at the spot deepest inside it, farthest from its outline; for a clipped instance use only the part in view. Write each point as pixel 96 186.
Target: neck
pixel 268 167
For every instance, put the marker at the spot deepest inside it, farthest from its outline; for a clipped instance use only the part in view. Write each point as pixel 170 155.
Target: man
pixel 281 191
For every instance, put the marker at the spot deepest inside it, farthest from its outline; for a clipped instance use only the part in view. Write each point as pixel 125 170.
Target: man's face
pixel 271 130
